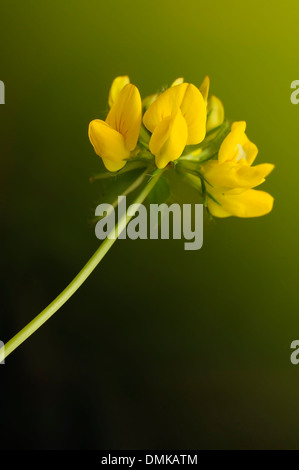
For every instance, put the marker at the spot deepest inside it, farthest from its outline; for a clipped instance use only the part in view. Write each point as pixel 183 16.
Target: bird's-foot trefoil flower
pixel 115 138
pixel 215 113
pixel 176 118
pixel 215 110
pixel 117 85
pixel 185 125
pixel 229 179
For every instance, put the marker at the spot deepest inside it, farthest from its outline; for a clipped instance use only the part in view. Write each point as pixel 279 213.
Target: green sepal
pixel 144 137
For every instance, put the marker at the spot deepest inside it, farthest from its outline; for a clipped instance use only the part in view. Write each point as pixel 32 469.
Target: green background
pixel 161 348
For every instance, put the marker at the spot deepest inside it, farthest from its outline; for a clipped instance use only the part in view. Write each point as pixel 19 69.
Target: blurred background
pixel 161 348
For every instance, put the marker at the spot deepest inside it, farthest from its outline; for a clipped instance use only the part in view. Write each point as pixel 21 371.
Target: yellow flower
pixel 117 85
pixel 176 118
pixel 148 100
pixel 215 112
pixel 115 138
pixel 205 87
pixel 237 147
pixel 230 179
pixel 215 109
pixel 178 81
pixel 249 203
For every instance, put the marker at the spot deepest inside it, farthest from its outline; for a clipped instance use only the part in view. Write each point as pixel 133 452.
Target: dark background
pixel 161 347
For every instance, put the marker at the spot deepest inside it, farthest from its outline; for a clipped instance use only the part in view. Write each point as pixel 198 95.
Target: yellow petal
pixel 249 149
pixel 253 175
pixel 250 203
pixel 166 104
pixel 215 112
pixel 169 139
pixel 204 88
pixel 125 115
pixel 178 81
pixel 246 150
pixel 185 97
pixel 194 110
pixel 108 144
pixel 116 87
pixel 229 149
pixel 148 100
pixel 230 175
pixel 217 210
pixel 238 125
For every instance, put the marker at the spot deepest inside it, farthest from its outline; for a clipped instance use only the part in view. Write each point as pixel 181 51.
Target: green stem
pixel 132 186
pixel 97 257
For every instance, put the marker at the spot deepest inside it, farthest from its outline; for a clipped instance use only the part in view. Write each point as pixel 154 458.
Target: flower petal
pixel 250 150
pixel 125 115
pixel 185 97
pixel 215 112
pixel 169 139
pixel 251 203
pixel 116 87
pixel 194 111
pixel 217 210
pixel 204 88
pixel 108 144
pixel 254 175
pixel 229 148
pixel 164 106
pixel 230 175
pixel 178 81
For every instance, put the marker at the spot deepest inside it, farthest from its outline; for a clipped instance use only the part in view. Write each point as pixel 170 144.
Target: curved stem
pixel 136 183
pixel 40 319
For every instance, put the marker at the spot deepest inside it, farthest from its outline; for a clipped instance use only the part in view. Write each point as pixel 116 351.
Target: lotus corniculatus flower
pixel 115 138
pixel 184 128
pixel 230 178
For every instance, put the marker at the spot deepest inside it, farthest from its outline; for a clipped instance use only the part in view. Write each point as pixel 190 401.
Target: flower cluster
pixel 186 126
